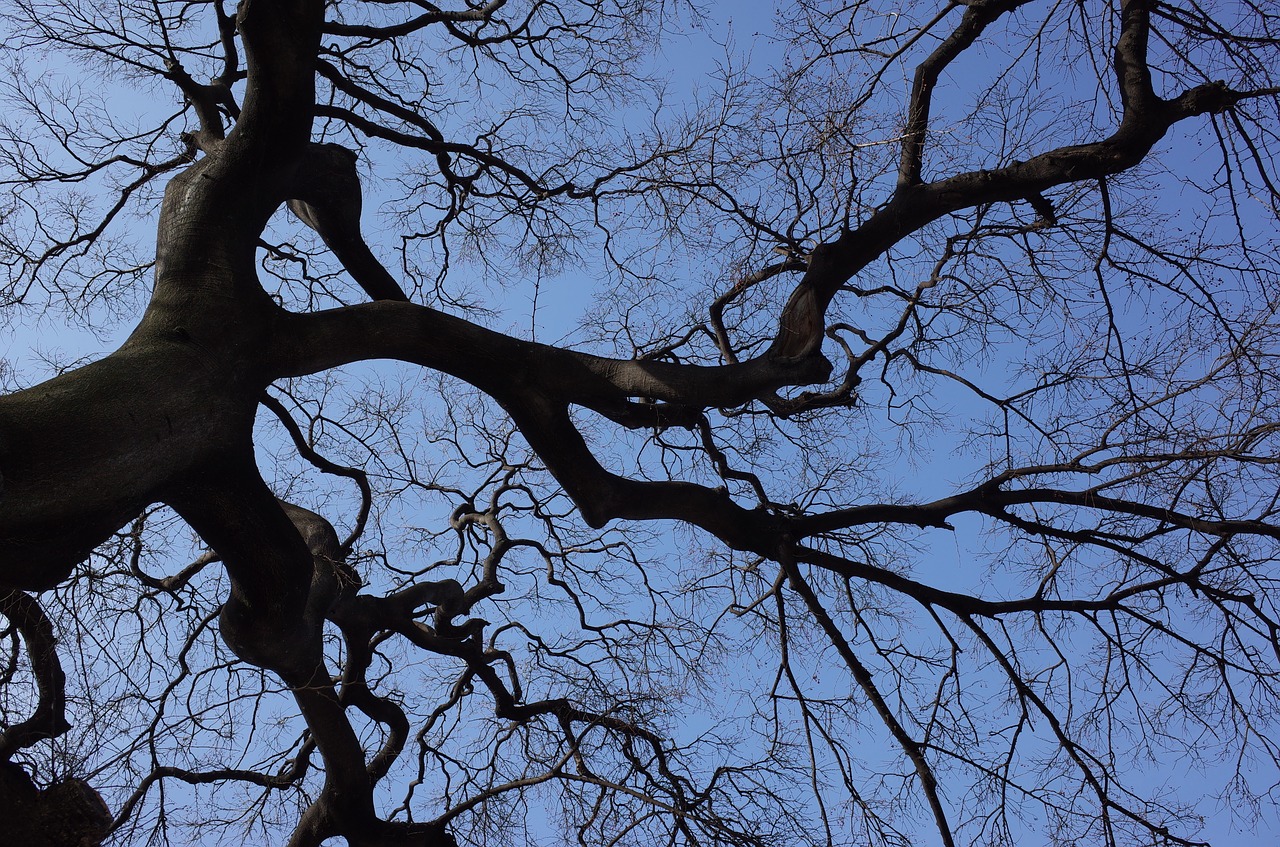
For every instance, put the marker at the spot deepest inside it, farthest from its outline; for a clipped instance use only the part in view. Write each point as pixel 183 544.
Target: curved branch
pixel 977 17
pixel 309 453
pixel 49 719
pixel 1145 121
pixel 326 196
pixel 990 499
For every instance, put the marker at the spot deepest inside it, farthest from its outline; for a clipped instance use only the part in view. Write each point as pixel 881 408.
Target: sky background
pixel 36 346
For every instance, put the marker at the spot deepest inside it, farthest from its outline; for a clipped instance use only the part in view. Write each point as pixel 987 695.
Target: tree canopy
pixel 873 441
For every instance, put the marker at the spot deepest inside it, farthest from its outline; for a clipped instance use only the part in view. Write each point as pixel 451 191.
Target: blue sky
pixel 933 467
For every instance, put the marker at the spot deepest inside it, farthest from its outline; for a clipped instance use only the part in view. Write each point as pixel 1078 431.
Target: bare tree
pixel 910 478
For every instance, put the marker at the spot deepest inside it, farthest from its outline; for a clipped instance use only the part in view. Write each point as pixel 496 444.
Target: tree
pixel 995 277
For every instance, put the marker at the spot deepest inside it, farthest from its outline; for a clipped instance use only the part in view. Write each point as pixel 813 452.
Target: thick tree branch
pixel 504 366
pixel 48 720
pixel 325 195
pixel 281 38
pixel 477 14
pixel 278 597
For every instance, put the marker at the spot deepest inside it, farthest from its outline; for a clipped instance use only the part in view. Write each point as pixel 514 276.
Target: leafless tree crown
pixel 903 471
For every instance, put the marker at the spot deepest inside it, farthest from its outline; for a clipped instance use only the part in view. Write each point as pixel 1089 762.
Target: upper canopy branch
pixel 991 500
pixel 423 134
pixel 977 17
pixel 1146 118
pixel 478 14
pixel 914 206
pixel 209 98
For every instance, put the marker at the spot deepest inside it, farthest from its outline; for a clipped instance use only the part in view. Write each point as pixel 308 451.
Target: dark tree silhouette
pixel 947 331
